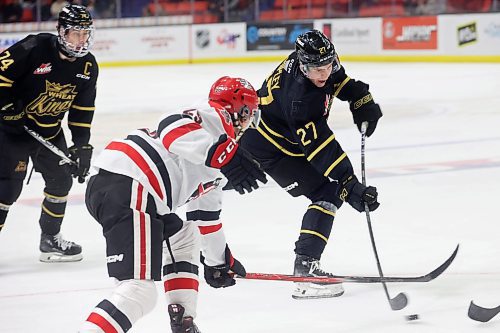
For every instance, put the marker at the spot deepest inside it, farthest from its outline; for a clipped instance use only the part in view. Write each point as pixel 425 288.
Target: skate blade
pixel 305 297
pixel 314 291
pixel 57 257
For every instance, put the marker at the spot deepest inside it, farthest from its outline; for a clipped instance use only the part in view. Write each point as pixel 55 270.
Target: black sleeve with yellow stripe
pixel 81 112
pixel 322 150
pixel 13 66
pixel 354 91
pixel 79 122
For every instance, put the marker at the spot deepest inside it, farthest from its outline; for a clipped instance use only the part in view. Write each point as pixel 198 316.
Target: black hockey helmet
pixel 314 49
pixel 74 17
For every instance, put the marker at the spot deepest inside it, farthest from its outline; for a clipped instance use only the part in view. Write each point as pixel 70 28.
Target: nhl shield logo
pixel 202 39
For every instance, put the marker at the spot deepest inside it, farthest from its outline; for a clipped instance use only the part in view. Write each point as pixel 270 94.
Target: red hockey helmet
pixel 239 98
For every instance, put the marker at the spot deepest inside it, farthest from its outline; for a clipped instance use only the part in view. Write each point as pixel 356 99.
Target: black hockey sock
pixel 52 216
pixel 316 227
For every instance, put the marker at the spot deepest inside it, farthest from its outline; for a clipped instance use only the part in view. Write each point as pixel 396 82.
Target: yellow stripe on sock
pixel 311 232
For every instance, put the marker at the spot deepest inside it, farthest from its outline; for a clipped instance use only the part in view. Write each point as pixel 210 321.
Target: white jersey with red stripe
pixel 170 162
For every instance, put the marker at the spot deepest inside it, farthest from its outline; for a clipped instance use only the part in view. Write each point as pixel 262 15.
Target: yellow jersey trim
pixel 44 125
pixel 3 78
pixel 321 146
pixel 334 164
pixel 72 123
pixel 83 108
pixel 276 133
pixel 347 79
pixel 277 145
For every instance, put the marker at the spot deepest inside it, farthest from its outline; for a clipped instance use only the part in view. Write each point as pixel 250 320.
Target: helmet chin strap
pixel 63 51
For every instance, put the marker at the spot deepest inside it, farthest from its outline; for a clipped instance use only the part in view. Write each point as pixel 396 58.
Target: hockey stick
pixel 354 279
pixel 481 314
pixel 47 144
pixel 401 300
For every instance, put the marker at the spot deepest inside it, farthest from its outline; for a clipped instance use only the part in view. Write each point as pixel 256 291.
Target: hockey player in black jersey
pixel 296 147
pixel 43 77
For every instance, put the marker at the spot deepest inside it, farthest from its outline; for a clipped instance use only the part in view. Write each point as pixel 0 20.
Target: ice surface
pixel 435 159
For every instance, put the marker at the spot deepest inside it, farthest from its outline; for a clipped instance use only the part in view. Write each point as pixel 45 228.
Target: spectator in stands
pixel 12 11
pixel 90 4
pixel 245 10
pixel 44 10
pixel 105 8
pixel 430 7
pixel 56 8
pixel 216 7
pixel 154 9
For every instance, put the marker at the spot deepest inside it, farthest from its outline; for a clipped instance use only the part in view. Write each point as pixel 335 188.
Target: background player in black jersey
pixel 43 77
pixel 296 147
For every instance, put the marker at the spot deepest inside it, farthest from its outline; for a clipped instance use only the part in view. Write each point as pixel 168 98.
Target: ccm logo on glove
pixel 223 153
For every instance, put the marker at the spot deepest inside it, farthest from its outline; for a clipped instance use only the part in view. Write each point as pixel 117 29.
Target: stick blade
pixel 399 302
pixel 438 271
pixel 481 314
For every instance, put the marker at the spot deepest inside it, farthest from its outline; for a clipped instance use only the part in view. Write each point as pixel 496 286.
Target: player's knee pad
pixel 135 298
pixel 185 245
pixel 319 217
pixel 58 186
pixel 10 189
pixel 172 223
pixel 327 207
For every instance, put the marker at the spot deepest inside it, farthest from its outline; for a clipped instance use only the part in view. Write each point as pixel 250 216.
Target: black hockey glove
pixel 237 165
pixel 82 156
pixel 221 276
pixel 13 116
pixel 369 112
pixel 356 194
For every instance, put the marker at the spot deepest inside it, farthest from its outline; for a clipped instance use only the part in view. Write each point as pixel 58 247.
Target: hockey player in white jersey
pixel 140 183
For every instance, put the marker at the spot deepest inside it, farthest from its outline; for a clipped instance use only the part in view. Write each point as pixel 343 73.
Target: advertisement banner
pixel 139 44
pixel 214 40
pixel 471 34
pixel 410 33
pixel 353 36
pixel 274 36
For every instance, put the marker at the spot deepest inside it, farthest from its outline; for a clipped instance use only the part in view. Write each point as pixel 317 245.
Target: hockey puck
pixel 412 317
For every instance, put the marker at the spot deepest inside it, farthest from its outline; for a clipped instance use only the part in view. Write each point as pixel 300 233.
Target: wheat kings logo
pixel 56 99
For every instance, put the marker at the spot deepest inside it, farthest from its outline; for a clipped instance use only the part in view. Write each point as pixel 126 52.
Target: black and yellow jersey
pixel 44 87
pixel 294 114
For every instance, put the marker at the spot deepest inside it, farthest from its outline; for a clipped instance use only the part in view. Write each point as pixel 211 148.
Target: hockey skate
pixel 56 249
pixel 308 266
pixel 178 322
